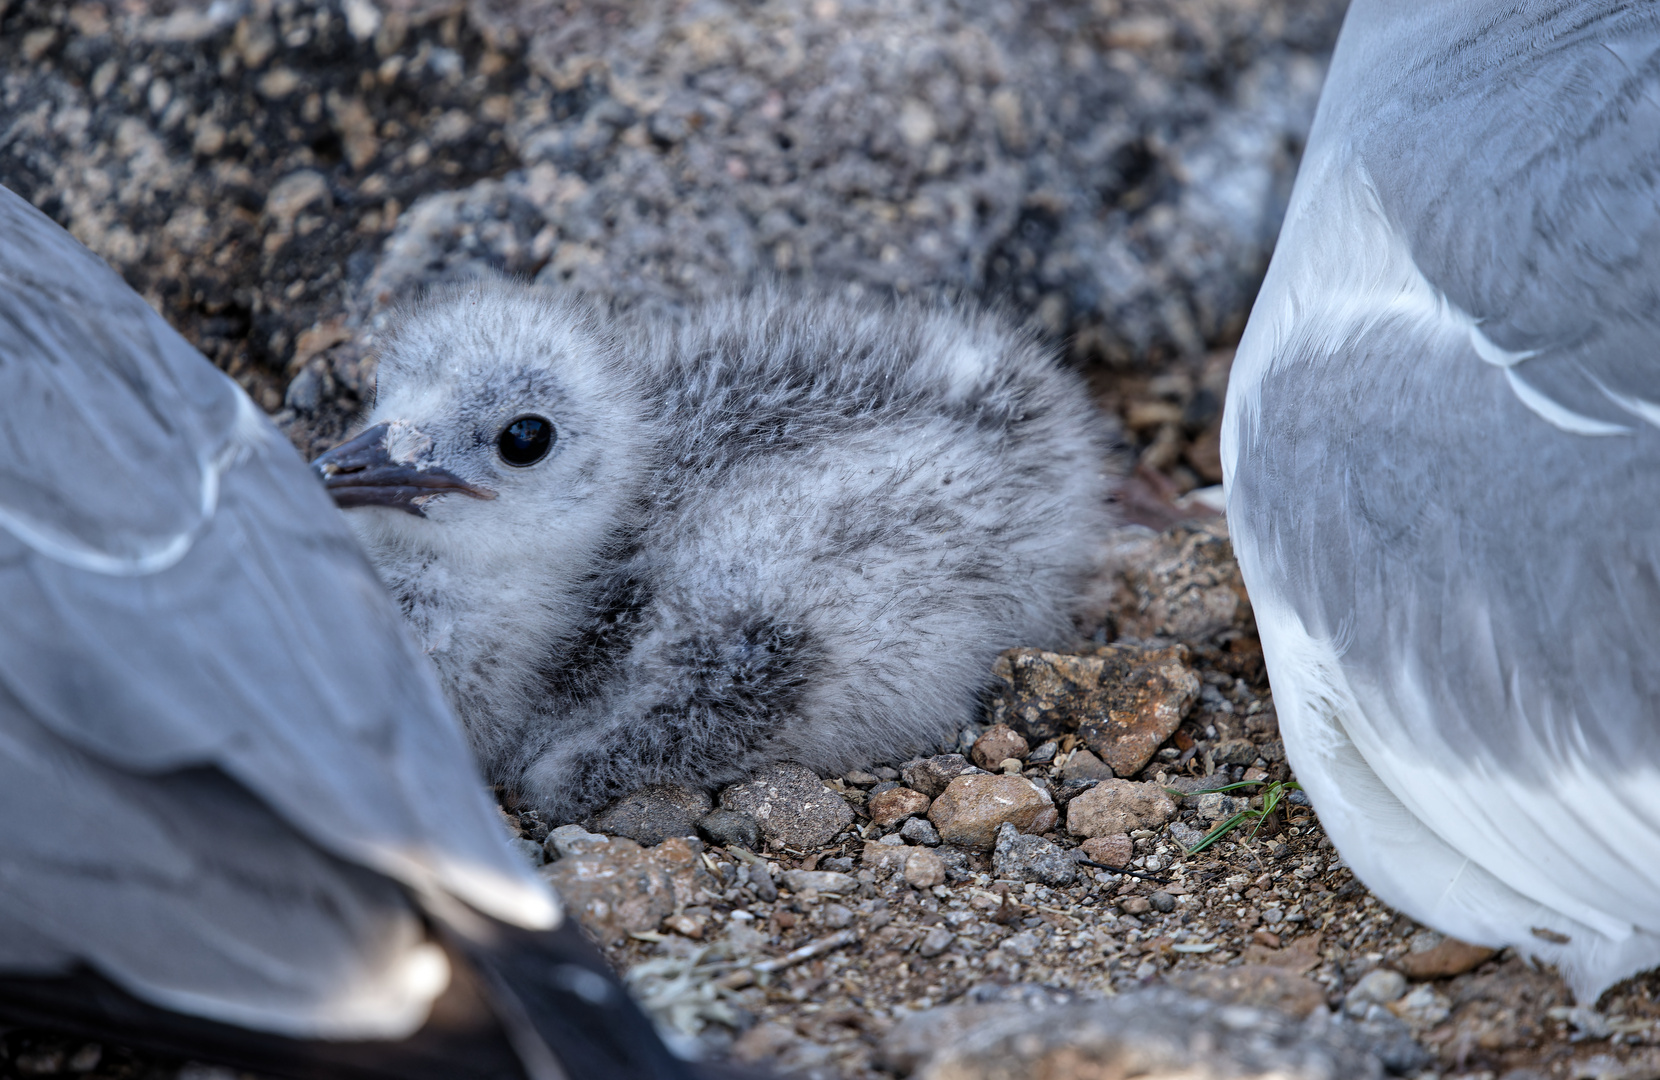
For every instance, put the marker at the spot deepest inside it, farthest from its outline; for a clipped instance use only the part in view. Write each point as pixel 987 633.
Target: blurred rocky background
pixel 273 175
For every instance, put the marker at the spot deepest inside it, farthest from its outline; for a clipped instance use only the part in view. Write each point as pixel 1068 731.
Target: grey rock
pixel 1185 834
pixel 1234 752
pixel 931 775
pixel 1183 584
pixel 1024 945
pixel 916 1038
pixel 761 884
pixel 1083 765
pixel 730 828
pixel 1029 995
pixel 1380 987
pixel 1153 1033
pixel 618 887
pixel 1032 858
pixel 824 881
pixel 791 805
pixel 652 814
pixel 958 866
pixel 1214 806
pixel 924 869
pixel 836 916
pixel 570 840
pixel 935 941
pixel 919 830
pixel 1162 902
pixel 1190 785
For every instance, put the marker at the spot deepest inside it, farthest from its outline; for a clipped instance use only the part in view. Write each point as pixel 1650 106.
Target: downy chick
pixel 782 528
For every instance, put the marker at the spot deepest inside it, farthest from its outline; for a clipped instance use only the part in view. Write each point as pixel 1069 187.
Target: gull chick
pixel 780 528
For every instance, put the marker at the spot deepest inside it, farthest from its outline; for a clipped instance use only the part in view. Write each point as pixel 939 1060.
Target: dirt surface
pixel 275 175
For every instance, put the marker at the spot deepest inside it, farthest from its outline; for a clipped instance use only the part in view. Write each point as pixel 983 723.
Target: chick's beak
pixel 362 472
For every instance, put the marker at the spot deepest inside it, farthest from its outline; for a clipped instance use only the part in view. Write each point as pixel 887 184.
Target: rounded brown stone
pixel 895 805
pixel 997 744
pixel 971 808
pixel 1118 806
pixel 1449 957
pixel 1115 850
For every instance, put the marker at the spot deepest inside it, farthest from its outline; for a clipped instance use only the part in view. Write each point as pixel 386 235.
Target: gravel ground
pixel 273 176
pixel 835 976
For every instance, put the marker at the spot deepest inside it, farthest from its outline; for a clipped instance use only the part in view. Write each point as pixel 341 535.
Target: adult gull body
pixel 1443 469
pixel 240 822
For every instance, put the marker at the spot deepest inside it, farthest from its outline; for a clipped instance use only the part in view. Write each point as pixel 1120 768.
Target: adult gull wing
pixel 192 637
pixel 1443 472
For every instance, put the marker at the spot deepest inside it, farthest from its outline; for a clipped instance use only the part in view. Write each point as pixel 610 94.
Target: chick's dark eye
pixel 525 441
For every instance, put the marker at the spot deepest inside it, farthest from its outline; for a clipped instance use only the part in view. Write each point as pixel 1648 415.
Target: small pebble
pixel 1118 806
pixel 1115 850
pixel 1000 742
pixel 824 881
pixel 924 869
pixel 570 840
pixel 1377 987
pixel 836 916
pixel 762 885
pixel 936 941
pixel 896 804
pixel 1083 765
pixel 729 828
pixel 931 775
pixel 919 830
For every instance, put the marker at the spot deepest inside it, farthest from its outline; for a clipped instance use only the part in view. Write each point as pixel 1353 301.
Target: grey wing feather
pixel 1539 217
pixel 191 893
pixel 181 593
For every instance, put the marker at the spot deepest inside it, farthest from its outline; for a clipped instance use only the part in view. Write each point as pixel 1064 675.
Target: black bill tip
pixel 360 472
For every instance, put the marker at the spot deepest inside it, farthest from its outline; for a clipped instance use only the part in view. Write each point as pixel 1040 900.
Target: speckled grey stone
pixel 1032 858
pixel 792 806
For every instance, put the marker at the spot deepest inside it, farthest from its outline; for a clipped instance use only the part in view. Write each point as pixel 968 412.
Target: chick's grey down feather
pixel 783 527
pixel 223 765
pixel 1443 471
